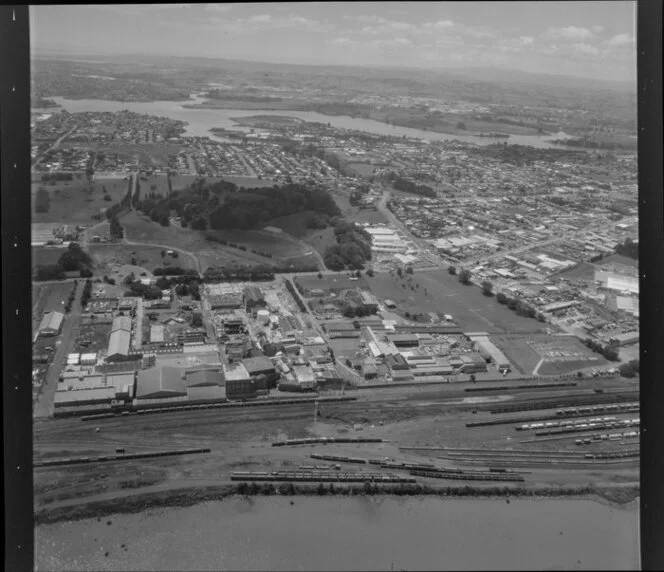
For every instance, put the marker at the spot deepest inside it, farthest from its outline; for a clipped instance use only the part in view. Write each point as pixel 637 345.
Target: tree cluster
pixel 610 352
pixel 465 276
pixel 352 250
pixel 239 273
pixel 519 306
pixel 406 186
pixel 86 294
pixel 296 297
pixel 175 271
pixel 630 369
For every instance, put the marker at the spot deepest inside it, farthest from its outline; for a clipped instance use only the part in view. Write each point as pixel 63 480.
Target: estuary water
pixel 351 533
pixel 200 121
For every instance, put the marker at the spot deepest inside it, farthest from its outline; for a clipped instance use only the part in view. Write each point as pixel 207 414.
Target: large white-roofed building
pixel 51 324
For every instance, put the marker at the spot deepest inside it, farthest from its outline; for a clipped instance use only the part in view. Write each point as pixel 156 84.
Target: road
pixel 55 145
pixel 398 225
pixel 44 406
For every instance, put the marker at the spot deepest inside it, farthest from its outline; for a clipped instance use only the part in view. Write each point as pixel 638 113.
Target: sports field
pixel 437 291
pixel 78 201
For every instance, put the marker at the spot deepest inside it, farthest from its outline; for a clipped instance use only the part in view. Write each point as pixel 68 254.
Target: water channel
pixel 344 533
pixel 201 120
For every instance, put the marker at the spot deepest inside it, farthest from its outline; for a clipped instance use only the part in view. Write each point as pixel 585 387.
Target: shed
pixel 51 324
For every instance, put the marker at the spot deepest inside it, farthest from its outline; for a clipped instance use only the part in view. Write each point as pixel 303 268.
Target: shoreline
pixel 186 497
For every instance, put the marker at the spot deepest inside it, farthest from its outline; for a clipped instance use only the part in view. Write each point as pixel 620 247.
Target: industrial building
pixel 121 323
pixel 160 382
pixel 118 345
pixel 239 384
pixel 51 324
pixel 253 298
pixel 156 334
pixel 490 352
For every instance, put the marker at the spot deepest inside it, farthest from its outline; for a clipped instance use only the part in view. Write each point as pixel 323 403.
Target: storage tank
pixel 263 317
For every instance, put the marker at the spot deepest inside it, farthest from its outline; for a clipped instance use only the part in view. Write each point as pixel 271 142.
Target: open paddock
pixel 108 257
pixel 278 246
pixel 156 185
pixel 44 255
pixel 331 282
pixel 582 271
pixel 437 291
pixel 92 337
pixel 78 201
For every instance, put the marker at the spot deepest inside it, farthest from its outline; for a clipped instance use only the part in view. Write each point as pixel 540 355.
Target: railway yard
pixel 540 437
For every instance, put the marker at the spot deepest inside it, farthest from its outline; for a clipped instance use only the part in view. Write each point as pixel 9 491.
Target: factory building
pixel 253 298
pixel 239 384
pixel 160 382
pixel 490 352
pixel 118 345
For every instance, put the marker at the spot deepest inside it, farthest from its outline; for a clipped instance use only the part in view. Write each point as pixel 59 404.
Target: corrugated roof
pixel 118 343
pixel 204 377
pixel 160 382
pixel 51 321
pixel 121 323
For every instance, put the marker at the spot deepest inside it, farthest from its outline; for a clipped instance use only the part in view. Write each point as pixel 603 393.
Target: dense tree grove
pixel 352 250
pixel 223 206
pixel 630 369
pixel 465 276
pixel 610 352
pixel 406 186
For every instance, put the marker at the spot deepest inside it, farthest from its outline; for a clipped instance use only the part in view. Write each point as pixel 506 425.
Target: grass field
pixel 582 271
pixel 77 202
pixel 619 259
pixel 139 228
pixel 43 255
pixel 279 246
pixel 48 297
pixel 180 182
pixel 108 256
pixel 471 310
pixel 557 354
pixel 331 282
pixel 157 184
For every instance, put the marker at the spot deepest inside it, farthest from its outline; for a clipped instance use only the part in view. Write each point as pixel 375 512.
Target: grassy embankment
pixel 192 496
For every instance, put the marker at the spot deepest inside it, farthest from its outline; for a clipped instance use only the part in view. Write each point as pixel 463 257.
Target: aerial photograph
pixel 335 286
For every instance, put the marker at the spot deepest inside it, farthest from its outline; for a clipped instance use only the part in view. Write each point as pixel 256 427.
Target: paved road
pixel 55 145
pixel 398 225
pixel 44 406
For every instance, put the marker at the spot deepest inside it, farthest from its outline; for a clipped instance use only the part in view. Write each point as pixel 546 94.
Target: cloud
pixel 219 8
pixel 260 18
pixel 526 40
pixel 620 40
pixel 598 29
pixel 586 49
pixel 439 25
pixel 571 33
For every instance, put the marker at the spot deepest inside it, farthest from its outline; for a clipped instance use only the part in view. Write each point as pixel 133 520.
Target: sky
pixel 589 39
